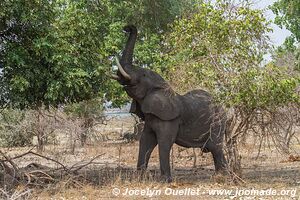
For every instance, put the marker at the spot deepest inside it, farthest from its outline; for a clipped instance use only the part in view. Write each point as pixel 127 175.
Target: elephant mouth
pixel 127 86
pixel 124 74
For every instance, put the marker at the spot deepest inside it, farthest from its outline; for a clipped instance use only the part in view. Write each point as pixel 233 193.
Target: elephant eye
pixel 144 74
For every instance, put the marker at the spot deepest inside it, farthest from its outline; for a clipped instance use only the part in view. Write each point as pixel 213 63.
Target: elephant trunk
pixel 126 59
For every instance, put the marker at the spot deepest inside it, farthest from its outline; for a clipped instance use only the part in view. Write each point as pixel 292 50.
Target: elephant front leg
pixel 148 142
pixel 166 132
pixel 164 161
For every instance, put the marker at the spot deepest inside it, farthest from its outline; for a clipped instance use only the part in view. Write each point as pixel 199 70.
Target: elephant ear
pixel 162 105
pixel 136 109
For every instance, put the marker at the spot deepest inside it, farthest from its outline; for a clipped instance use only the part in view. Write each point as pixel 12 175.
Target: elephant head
pixel 142 85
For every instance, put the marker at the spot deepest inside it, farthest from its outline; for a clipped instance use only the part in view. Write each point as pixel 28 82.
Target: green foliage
pixel 22 22
pixel 56 52
pixel 55 59
pixel 70 45
pixel 3 93
pixel 288 15
pixel 86 109
pixel 220 47
pixel 262 88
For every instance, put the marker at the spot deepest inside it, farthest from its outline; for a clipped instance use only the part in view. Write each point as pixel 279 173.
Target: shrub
pixel 16 128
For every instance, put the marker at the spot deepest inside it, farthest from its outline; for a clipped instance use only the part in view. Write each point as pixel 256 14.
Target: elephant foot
pixel 223 171
pixel 166 179
pixel 141 172
pixel 220 178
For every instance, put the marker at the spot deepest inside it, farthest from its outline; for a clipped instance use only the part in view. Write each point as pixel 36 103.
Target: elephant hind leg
pixel 219 160
pixel 218 157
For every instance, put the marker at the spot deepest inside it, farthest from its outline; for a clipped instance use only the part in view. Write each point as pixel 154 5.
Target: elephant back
pixel 198 110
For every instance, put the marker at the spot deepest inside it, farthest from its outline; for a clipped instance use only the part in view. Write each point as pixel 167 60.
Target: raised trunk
pixel 126 60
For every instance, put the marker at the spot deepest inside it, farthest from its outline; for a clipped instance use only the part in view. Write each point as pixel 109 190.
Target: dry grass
pixel 116 169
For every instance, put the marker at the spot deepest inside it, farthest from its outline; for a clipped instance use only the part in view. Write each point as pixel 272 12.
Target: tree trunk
pixel 88 123
pixel 233 156
pixel 40 132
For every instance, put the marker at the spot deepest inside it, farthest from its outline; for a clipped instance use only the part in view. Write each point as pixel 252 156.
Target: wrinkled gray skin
pixel 188 120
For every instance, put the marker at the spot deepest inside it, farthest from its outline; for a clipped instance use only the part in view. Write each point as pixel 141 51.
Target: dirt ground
pixel 112 175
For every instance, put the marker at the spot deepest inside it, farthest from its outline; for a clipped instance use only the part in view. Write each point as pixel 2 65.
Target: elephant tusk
pixel 122 71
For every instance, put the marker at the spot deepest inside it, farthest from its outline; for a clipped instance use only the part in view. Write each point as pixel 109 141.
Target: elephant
pixel 189 120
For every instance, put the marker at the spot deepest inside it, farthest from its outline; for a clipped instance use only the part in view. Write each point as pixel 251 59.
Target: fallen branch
pixel 47 158
pixel 18 156
pixel 15 167
pixel 84 165
pixel 38 173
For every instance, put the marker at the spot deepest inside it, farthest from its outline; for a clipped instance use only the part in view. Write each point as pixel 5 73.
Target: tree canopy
pixel 55 52
pixel 220 46
pixel 288 15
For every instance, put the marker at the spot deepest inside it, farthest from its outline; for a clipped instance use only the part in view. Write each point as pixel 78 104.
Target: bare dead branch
pixel 84 165
pixel 9 160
